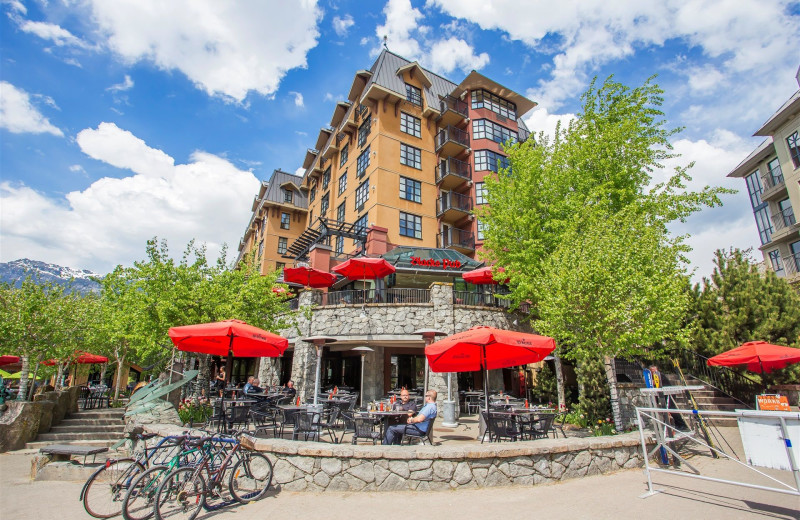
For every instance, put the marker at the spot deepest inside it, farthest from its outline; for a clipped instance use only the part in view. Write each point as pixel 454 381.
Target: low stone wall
pixel 24 420
pixel 313 466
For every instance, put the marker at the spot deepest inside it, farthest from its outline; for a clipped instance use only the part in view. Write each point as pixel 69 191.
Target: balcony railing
pixel 457 238
pixel 792 264
pixel 451 140
pixel 453 204
pixel 783 218
pixel 486 300
pixel 360 297
pixel 452 172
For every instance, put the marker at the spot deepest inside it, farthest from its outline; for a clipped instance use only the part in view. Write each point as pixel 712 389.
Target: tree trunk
pixel 103 373
pixel 35 370
pixel 59 376
pixel 611 376
pixel 23 379
pixel 120 363
pixel 562 399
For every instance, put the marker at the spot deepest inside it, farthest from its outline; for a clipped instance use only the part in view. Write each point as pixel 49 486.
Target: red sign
pixel 778 403
pixel 430 262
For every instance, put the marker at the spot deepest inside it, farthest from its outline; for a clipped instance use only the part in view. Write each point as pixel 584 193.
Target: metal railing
pixel 792 264
pixel 783 218
pixel 454 104
pixel 362 296
pixel 457 238
pixel 487 300
pixel 452 200
pixel 455 167
pixel 451 133
pixel 727 381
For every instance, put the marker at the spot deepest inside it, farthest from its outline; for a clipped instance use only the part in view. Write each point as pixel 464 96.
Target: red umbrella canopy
pixel 8 360
pixel 759 356
pixel 483 276
pixel 364 268
pixel 308 276
pixel 222 338
pixel 82 358
pixel 487 348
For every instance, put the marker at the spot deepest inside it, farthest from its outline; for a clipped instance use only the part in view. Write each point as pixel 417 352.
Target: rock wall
pixel 162 413
pixel 629 398
pixel 19 424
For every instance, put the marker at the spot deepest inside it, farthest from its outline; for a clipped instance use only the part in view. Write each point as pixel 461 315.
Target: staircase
pixel 99 427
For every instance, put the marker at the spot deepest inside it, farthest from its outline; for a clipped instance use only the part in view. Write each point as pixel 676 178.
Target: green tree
pixel 740 303
pixel 582 233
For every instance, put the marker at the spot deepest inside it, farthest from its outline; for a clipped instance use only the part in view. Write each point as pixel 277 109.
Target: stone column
pixel 305 355
pixel 444 320
pixel 269 372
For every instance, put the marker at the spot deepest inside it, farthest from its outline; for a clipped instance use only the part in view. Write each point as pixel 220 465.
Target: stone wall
pixel 24 420
pixel 629 398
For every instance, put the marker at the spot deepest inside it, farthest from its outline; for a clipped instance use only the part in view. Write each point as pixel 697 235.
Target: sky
pixel 125 120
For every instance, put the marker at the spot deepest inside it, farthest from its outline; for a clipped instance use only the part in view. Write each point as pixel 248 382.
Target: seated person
pixel 289 389
pixel 405 404
pixel 248 385
pixel 255 387
pixel 417 425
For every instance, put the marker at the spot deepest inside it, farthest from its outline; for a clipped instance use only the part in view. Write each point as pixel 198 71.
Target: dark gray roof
pixel 274 193
pixel 384 73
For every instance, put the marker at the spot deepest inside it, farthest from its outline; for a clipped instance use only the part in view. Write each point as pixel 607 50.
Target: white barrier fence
pixel 769 440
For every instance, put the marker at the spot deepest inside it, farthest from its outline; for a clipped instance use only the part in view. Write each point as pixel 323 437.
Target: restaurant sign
pixel 432 262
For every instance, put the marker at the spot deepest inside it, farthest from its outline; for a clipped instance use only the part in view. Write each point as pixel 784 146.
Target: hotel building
pixel 772 176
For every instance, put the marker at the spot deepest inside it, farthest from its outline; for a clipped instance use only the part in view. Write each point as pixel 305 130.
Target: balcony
pixel 460 240
pixel 453 207
pixel 451 141
pixel 453 111
pixel 774 184
pixel 792 266
pixel 783 219
pixel 451 173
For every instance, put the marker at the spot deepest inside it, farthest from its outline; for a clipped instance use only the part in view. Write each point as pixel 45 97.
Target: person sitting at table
pixel 417 425
pixel 289 389
pixel 405 404
pixel 248 385
pixel 255 387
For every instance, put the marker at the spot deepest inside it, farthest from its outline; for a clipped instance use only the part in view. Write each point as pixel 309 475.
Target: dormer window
pixel 413 95
pixel 287 195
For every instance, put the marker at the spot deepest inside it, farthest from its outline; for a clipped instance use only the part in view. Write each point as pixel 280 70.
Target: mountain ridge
pixel 15 271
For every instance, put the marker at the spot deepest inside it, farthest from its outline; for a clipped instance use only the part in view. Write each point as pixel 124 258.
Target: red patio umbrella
pixel 8 360
pixel 485 348
pixel 364 268
pixel 483 276
pixel 80 358
pixel 759 356
pixel 308 276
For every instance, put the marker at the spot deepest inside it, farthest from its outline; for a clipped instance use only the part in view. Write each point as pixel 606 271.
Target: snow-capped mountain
pixel 16 271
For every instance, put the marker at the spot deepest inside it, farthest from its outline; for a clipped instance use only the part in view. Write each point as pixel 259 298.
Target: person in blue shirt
pixel 248 386
pixel 417 425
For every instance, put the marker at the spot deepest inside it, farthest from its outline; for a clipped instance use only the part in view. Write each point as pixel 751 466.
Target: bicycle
pixel 185 490
pixel 104 490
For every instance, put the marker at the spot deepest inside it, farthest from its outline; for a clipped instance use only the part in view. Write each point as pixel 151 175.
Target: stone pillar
pixel 377 241
pixel 373 374
pixel 269 372
pixel 304 362
pixel 444 320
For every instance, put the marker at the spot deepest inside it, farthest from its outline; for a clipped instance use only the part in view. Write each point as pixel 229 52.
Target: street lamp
pixel 319 344
pixel 363 350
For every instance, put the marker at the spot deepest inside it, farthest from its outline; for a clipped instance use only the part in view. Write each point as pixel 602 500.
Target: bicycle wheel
pixel 181 495
pixel 105 489
pixel 251 477
pixel 139 501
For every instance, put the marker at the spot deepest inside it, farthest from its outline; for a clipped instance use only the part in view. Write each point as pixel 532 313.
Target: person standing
pixel 221 381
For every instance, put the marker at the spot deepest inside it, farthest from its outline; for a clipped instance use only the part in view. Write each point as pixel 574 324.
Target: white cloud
pixel 19 116
pixel 77 168
pixel 226 49
pixel 110 221
pixel 342 24
pixel 17 6
pixel 540 120
pixel 125 84
pixel 401 21
pixel 300 171
pixel 454 53
pixel 52 32
pixel 298 99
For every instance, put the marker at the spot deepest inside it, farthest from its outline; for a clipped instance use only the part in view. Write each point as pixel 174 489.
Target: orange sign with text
pixel 775 403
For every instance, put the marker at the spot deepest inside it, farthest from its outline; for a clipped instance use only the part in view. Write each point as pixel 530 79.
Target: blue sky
pixel 124 120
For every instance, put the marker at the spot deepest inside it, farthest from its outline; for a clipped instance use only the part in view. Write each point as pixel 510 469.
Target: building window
pixel 261 248
pixel 360 226
pixel 489 160
pixel 343 155
pixel 481 229
pixel 483 99
pixel 485 129
pixel 480 193
pixel 286 220
pixel 764 224
pixel 413 95
pixel 754 188
pixel 339 246
pixel 279 266
pixel 340 213
pixel 326 200
pixel 362 162
pixel 363 131
pixel 326 178
pixel 410 189
pixel 313 194
pixel 282 244
pixel 342 182
pixel 794 249
pixel 287 196
pixel 362 194
pixel 793 142
pixel 786 212
pixel 775 262
pixel 410 156
pixel 775 172
pixel 410 124
pixel 410 225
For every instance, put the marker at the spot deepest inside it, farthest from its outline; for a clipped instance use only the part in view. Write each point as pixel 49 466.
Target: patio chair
pixel 348 422
pixel 411 433
pixel 237 416
pixel 287 419
pixel 558 424
pixel 365 429
pixel 264 419
pixel 217 419
pixel 329 422
pixel 473 404
pixel 306 423
pixel 542 425
pixel 501 427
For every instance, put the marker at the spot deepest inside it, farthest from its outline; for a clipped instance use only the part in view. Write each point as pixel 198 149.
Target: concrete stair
pixel 101 427
pixel 712 400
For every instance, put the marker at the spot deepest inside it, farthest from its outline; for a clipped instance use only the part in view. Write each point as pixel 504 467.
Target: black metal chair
pixel 348 424
pixel 542 425
pixel 329 422
pixel 238 415
pixel 287 419
pixel 306 423
pixel 500 427
pixel 558 424
pixel 264 418
pixel 364 428
pixel 412 433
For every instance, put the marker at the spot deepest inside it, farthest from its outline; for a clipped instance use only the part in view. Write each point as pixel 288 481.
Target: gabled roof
pixel 282 180
pixel 751 162
pixel 413 68
pixel 385 75
pixel 789 110
pixel 477 80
